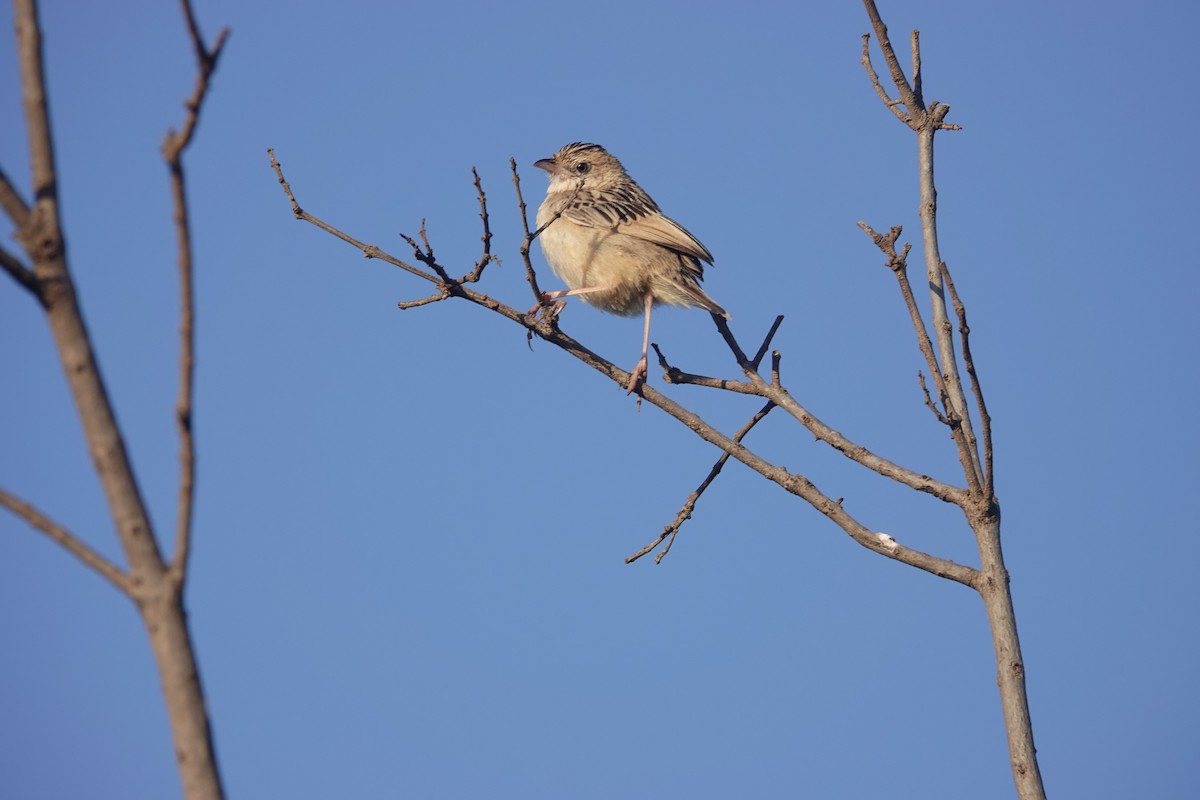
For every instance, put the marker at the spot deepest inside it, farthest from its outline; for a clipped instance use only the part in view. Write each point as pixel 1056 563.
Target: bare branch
pixel 174 145
pixel 766 343
pixel 913 103
pixel 926 122
pixel 43 241
pixel 679 377
pixel 13 204
pixel 426 256
pixel 404 305
pixel 672 374
pixel 425 241
pixel 527 243
pixel 689 505
pixel 892 105
pixel 981 509
pixel 206 61
pixel 956 403
pixel 21 273
pixel 932 406
pixel 546 329
pixel 37 122
pixel 898 263
pixel 73 544
pixel 155 590
pixel 368 250
pixel 855 452
pixel 486 256
pixel 804 488
pixel 915 44
pixel 985 419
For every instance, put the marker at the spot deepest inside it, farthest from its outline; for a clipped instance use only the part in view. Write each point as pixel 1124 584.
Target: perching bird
pixel 612 246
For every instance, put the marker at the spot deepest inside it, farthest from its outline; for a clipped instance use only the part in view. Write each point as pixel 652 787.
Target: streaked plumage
pixel 612 245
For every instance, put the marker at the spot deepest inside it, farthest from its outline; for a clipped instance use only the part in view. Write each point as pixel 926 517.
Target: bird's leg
pixel 639 371
pixel 555 298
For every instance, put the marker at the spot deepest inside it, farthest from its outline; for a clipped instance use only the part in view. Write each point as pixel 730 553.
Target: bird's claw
pixel 548 304
pixel 637 375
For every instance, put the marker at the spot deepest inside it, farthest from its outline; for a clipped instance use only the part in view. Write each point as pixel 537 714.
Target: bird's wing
pixel 632 212
pixel 663 230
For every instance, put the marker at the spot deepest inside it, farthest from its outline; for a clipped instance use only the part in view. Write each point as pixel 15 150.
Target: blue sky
pixel 408 575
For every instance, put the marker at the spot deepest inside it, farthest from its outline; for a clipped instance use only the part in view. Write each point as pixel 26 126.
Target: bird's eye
pixel 582 166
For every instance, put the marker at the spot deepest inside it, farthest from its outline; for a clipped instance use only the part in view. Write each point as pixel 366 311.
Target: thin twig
pixel 766 342
pixel 527 242
pixel 368 250
pixel 21 273
pixel 426 256
pixel 11 201
pixel 206 61
pixel 174 145
pixel 689 505
pixel 425 241
pixel 37 119
pixel 676 376
pixel 69 541
pixel 941 328
pixel 404 305
pixel 486 238
pixel 835 439
pixel 914 104
pixel 892 105
pixel 985 419
pixel 898 264
pixel 915 44
pixel 932 406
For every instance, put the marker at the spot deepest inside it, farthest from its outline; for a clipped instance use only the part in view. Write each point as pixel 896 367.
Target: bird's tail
pixel 701 299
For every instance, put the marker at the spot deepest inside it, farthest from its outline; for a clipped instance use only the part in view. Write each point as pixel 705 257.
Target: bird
pixel 612 246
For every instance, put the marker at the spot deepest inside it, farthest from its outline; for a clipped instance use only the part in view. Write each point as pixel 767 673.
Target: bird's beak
pixel 547 164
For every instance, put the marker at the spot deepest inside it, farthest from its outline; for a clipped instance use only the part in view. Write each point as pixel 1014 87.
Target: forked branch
pixel 689 505
pixel 174 145
pixel 985 419
pixel 982 510
pixel 545 327
pixel 155 587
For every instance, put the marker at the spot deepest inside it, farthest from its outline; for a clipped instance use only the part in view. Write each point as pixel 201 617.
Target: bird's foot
pixel 637 375
pixel 550 304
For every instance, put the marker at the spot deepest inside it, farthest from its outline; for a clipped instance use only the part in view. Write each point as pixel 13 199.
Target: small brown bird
pixel 612 246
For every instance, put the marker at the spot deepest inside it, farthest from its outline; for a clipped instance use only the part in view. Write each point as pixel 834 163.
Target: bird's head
pixel 590 164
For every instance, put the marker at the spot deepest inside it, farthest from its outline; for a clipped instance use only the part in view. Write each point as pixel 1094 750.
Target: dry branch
pixel 980 505
pixel 72 543
pixel 689 505
pixel 545 327
pixel 935 342
pixel 175 143
pixel 20 273
pixel 155 587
